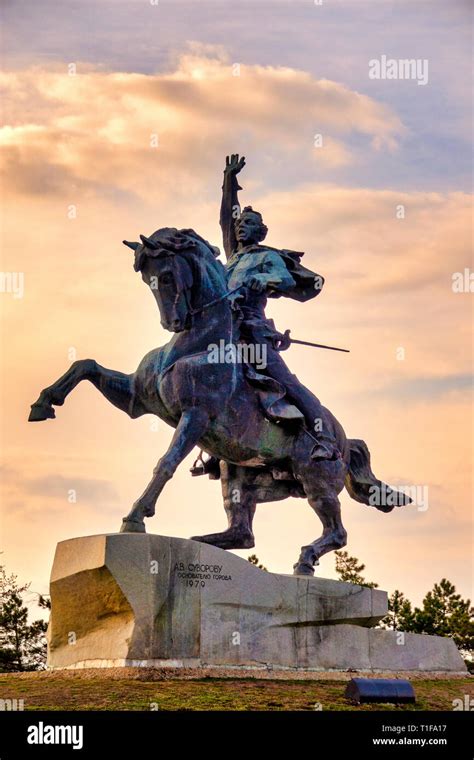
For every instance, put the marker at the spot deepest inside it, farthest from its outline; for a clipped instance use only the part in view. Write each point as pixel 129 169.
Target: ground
pixel 179 689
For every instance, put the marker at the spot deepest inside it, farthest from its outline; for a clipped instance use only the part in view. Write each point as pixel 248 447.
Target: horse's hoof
pixel 40 412
pixel 132 526
pixel 303 568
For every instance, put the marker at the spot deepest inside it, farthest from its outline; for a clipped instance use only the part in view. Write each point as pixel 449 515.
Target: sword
pixel 287 341
pixel 318 345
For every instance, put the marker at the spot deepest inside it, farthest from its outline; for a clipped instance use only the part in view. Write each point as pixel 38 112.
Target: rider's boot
pixel 325 447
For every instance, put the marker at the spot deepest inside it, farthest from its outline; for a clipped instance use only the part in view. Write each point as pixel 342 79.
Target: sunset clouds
pixel 82 127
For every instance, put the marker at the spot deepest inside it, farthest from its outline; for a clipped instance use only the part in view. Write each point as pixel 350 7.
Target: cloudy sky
pixel 117 118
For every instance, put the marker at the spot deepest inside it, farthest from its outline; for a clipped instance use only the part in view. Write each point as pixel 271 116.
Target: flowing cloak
pixel 307 284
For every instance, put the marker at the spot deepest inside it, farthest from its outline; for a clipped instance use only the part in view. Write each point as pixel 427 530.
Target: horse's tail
pixel 363 486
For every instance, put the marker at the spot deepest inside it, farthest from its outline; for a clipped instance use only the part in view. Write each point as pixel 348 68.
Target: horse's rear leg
pixel 334 536
pixel 239 504
pixel 115 386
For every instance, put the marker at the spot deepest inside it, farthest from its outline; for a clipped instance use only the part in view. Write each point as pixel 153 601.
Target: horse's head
pixel 178 265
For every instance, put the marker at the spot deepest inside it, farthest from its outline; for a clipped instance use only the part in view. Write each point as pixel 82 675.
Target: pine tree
pixel 445 613
pixel 349 570
pixel 400 613
pixel 22 645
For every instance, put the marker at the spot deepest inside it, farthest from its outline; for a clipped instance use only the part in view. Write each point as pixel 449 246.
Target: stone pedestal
pixel 143 600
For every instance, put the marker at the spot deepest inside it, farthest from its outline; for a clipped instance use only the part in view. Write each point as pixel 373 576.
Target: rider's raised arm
pixel 230 202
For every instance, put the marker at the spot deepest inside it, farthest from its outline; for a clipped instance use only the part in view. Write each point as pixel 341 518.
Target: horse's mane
pixel 168 241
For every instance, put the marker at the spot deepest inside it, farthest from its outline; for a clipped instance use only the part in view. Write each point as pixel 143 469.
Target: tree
pixel 445 613
pixel 254 560
pixel 22 644
pixel 400 613
pixel 349 569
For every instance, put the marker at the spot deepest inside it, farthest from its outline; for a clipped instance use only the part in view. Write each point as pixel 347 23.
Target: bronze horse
pixel 213 405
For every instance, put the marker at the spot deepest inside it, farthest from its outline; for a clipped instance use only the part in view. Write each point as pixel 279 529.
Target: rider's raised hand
pixel 234 164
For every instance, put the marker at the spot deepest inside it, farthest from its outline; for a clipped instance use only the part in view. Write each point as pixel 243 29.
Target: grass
pixel 147 690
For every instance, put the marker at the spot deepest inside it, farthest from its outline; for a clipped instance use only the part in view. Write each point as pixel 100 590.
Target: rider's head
pixel 249 227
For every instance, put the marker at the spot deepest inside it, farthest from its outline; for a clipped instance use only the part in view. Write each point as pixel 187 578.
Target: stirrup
pixel 203 466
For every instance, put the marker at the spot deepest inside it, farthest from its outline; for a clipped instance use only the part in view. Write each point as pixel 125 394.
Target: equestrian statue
pixel 265 435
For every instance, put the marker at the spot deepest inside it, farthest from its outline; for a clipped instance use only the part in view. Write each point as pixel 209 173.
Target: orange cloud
pixel 99 128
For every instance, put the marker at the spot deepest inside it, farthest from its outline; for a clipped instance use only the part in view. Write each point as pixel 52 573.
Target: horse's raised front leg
pixel 239 504
pixel 115 386
pixel 191 427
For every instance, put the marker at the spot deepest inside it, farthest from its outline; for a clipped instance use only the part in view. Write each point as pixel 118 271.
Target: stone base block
pixel 144 600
